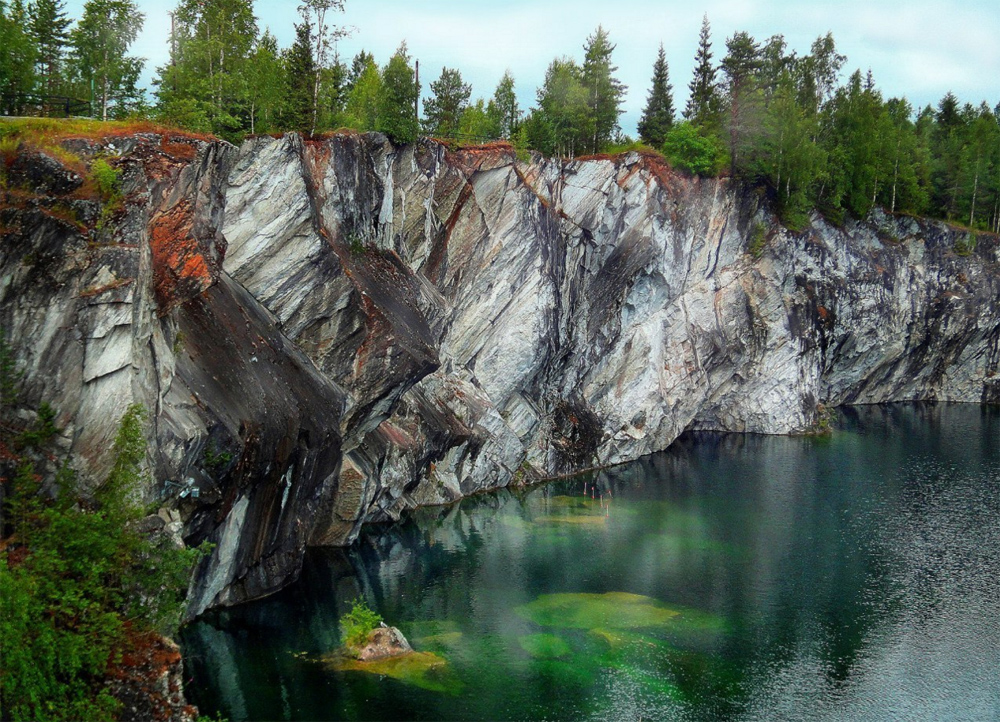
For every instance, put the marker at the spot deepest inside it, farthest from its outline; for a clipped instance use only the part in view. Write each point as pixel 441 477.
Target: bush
pixel 357 624
pixel 79 582
pixel 687 148
pixel 106 178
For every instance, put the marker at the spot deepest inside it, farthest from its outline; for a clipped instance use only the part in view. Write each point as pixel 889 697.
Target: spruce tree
pixel 397 107
pixel 703 103
pixel 17 57
pixel 49 28
pixel 300 72
pixel 658 116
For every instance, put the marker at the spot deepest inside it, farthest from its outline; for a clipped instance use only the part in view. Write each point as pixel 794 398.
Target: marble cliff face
pixel 327 333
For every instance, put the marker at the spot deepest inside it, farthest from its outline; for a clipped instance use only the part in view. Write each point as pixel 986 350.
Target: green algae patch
pixel 611 611
pixel 443 640
pixel 617 639
pixel 544 646
pixel 421 669
pixel 582 519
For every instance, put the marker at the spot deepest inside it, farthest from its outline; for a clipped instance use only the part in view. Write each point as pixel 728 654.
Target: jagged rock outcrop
pixel 331 332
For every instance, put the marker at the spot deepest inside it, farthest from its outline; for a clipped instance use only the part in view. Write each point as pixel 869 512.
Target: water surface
pixel 731 577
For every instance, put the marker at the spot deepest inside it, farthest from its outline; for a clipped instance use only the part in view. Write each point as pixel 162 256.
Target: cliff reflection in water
pixel 849 577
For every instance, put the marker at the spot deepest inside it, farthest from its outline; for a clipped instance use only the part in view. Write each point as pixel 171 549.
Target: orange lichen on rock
pixel 147 680
pixel 181 269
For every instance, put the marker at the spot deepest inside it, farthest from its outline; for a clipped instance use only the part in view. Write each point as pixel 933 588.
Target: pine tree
pixel 443 111
pixel 100 42
pixel 300 72
pixel 703 102
pixel 658 117
pixel 49 28
pixel 604 92
pixel 397 107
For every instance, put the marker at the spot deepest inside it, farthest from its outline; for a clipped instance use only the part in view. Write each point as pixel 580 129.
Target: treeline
pixel 42 56
pixel 762 113
pixel 782 121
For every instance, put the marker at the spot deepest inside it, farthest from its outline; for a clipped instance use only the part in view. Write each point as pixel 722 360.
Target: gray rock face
pixel 329 333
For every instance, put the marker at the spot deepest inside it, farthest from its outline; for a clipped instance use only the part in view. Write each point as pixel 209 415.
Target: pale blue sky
pixel 917 48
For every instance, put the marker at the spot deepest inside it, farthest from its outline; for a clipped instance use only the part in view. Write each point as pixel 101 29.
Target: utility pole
pixel 416 102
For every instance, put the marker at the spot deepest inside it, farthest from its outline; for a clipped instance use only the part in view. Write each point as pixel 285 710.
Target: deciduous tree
pixel 397 116
pixel 100 42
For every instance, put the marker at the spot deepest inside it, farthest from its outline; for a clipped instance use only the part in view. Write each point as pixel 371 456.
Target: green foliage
pixel 758 239
pixel 17 56
pixel 358 623
pixel 694 151
pixel 301 74
pixel 10 375
pixel 603 91
pixel 506 108
pixel 106 177
pixel 397 103
pixel 443 111
pixel 43 429
pixel 100 44
pixel 216 460
pixel 77 583
pixel 965 245
pixel 658 116
pixel 704 104
pixel 364 90
pixel 48 28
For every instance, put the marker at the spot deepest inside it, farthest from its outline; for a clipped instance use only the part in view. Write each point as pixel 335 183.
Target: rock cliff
pixel 328 333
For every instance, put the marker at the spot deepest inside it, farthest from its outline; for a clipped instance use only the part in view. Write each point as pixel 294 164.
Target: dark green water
pixel 854 578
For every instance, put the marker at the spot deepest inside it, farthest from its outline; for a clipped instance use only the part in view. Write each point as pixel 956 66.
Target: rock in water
pixel 382 643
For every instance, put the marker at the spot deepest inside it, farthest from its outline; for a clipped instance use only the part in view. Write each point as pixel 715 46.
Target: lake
pixel 731 577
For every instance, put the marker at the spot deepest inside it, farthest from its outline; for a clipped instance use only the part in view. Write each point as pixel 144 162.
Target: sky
pixel 920 49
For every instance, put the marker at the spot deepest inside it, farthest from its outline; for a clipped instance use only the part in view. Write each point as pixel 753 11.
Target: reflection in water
pixel 732 577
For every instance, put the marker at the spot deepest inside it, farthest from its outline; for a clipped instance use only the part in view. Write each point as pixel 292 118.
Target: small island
pixel 371 646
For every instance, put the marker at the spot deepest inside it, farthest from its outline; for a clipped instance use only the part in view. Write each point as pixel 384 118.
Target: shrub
pixel 79 582
pixel 356 625
pixel 687 148
pixel 106 178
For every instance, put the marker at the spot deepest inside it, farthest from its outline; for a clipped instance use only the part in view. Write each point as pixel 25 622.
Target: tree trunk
pixel 895 177
pixel 975 190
